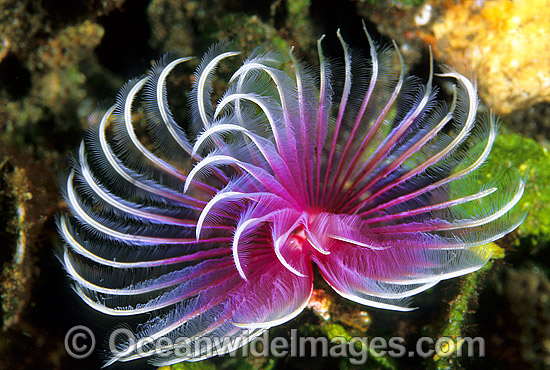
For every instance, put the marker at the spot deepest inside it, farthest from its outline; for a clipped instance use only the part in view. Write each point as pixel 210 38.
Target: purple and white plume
pixel 210 229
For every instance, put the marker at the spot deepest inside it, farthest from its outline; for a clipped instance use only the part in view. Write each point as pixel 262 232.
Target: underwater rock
pixel 191 25
pixel 507 42
pixel 27 202
pixel 525 325
pixel 531 160
pixel 46 55
pixel 17 272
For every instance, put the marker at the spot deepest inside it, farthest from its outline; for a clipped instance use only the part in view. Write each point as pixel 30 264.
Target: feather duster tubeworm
pixel 215 226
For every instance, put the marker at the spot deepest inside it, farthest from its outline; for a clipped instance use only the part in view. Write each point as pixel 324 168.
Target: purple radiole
pixel 211 228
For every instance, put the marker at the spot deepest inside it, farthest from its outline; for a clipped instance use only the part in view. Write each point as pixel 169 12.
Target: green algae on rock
pixel 532 160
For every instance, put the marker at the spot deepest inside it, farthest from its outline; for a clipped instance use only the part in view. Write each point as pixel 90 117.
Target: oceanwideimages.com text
pixel 80 343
